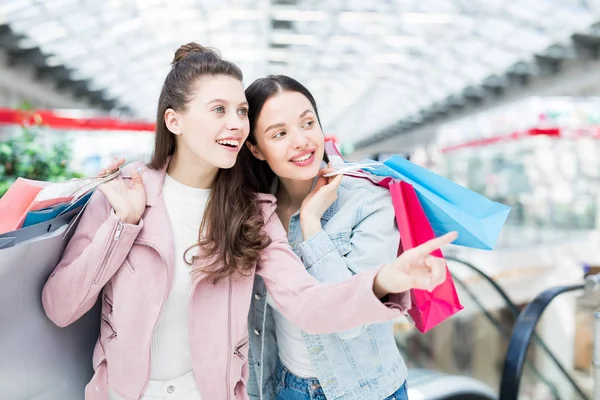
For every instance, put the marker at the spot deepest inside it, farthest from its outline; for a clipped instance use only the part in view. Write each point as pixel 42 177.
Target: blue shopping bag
pixel 46 214
pixel 448 205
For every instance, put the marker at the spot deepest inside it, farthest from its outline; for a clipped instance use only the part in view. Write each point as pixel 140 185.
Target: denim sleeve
pixel 374 241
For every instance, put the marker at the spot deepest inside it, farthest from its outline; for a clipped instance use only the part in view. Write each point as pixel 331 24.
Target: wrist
pixel 128 219
pixel 379 288
pixel 310 226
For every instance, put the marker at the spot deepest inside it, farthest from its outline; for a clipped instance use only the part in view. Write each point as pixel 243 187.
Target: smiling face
pixel 214 124
pixel 289 137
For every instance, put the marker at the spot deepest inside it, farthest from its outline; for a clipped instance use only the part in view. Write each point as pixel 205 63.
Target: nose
pixel 234 122
pixel 299 140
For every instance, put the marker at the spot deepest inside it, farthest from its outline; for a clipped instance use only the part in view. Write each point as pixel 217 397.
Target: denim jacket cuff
pixel 313 249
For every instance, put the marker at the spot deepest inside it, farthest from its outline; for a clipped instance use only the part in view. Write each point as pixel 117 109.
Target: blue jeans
pixel 292 387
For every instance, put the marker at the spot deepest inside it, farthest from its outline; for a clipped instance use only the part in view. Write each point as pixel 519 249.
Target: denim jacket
pixel 359 233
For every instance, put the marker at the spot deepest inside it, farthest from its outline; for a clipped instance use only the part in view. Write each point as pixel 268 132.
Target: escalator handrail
pixel 507 300
pixel 519 344
pixel 515 311
pixel 504 331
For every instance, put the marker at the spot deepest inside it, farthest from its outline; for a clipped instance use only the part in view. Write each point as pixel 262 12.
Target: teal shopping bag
pixel 448 205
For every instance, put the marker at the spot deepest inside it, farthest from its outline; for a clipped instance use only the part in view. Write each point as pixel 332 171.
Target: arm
pixel 314 307
pixel 94 254
pixel 374 240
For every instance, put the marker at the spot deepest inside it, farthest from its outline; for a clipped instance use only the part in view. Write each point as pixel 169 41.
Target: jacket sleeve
pixel 97 249
pixel 374 241
pixel 318 308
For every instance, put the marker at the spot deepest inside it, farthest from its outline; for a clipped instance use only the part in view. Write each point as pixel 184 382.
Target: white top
pixel 170 348
pixel 292 348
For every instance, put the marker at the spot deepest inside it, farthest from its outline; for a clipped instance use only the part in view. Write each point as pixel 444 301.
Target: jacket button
pixel 258 296
pixel 170 389
pixel 257 332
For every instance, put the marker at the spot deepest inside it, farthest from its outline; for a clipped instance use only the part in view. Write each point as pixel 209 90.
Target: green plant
pixel 25 155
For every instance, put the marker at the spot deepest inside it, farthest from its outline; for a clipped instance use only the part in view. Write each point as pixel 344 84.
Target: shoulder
pixel 272 225
pixel 361 191
pixel 267 203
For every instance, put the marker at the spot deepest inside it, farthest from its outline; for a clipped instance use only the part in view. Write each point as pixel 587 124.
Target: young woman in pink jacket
pixel 172 248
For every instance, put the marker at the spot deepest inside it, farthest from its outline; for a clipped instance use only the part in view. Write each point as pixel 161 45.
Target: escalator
pixel 466 356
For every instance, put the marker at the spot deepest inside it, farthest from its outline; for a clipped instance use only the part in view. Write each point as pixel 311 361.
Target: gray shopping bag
pixel 39 360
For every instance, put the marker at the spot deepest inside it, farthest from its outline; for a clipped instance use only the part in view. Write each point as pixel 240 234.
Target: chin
pixel 306 175
pixel 225 165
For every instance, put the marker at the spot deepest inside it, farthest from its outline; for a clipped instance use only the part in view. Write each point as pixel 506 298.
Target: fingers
pixel 334 183
pixel 325 171
pixel 328 184
pixel 437 243
pixel 137 180
pixel 118 162
pixel 430 275
pixel 115 164
pixel 437 268
pixel 321 181
pixel 422 282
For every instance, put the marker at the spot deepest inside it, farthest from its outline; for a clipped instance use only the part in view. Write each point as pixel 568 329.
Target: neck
pixel 192 172
pixel 292 192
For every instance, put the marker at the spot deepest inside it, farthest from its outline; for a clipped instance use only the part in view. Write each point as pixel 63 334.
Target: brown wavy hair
pixel 231 235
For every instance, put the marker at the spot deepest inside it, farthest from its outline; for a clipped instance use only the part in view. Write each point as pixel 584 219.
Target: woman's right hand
pixel 318 201
pixel 415 268
pixel 129 203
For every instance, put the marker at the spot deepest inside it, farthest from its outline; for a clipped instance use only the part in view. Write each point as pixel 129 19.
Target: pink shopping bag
pixel 19 200
pixel 428 308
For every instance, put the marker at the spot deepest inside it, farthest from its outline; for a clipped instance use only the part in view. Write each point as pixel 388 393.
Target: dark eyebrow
pixel 281 124
pixel 305 112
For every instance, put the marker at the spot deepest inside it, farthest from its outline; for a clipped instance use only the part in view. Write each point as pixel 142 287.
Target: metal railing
pixel 512 307
pixel 522 335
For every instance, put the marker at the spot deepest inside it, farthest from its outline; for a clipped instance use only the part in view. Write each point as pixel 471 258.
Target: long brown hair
pixel 231 234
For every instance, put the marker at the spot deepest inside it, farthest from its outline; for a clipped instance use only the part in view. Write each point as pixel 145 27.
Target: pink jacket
pixel 131 267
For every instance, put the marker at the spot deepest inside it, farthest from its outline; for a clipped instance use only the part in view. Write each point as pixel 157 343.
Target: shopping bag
pixel 13 238
pixel 35 199
pixel 17 201
pixel 46 214
pixel 448 205
pixel 38 359
pixel 428 309
pixel 6 242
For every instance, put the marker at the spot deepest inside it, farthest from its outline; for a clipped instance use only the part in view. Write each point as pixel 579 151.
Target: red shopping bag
pixel 428 308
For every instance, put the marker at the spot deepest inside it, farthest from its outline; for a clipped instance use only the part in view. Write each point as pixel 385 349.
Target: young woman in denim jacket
pixel 171 248
pixel 356 233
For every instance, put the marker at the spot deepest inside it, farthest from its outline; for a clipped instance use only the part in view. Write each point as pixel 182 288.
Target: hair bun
pixel 184 50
